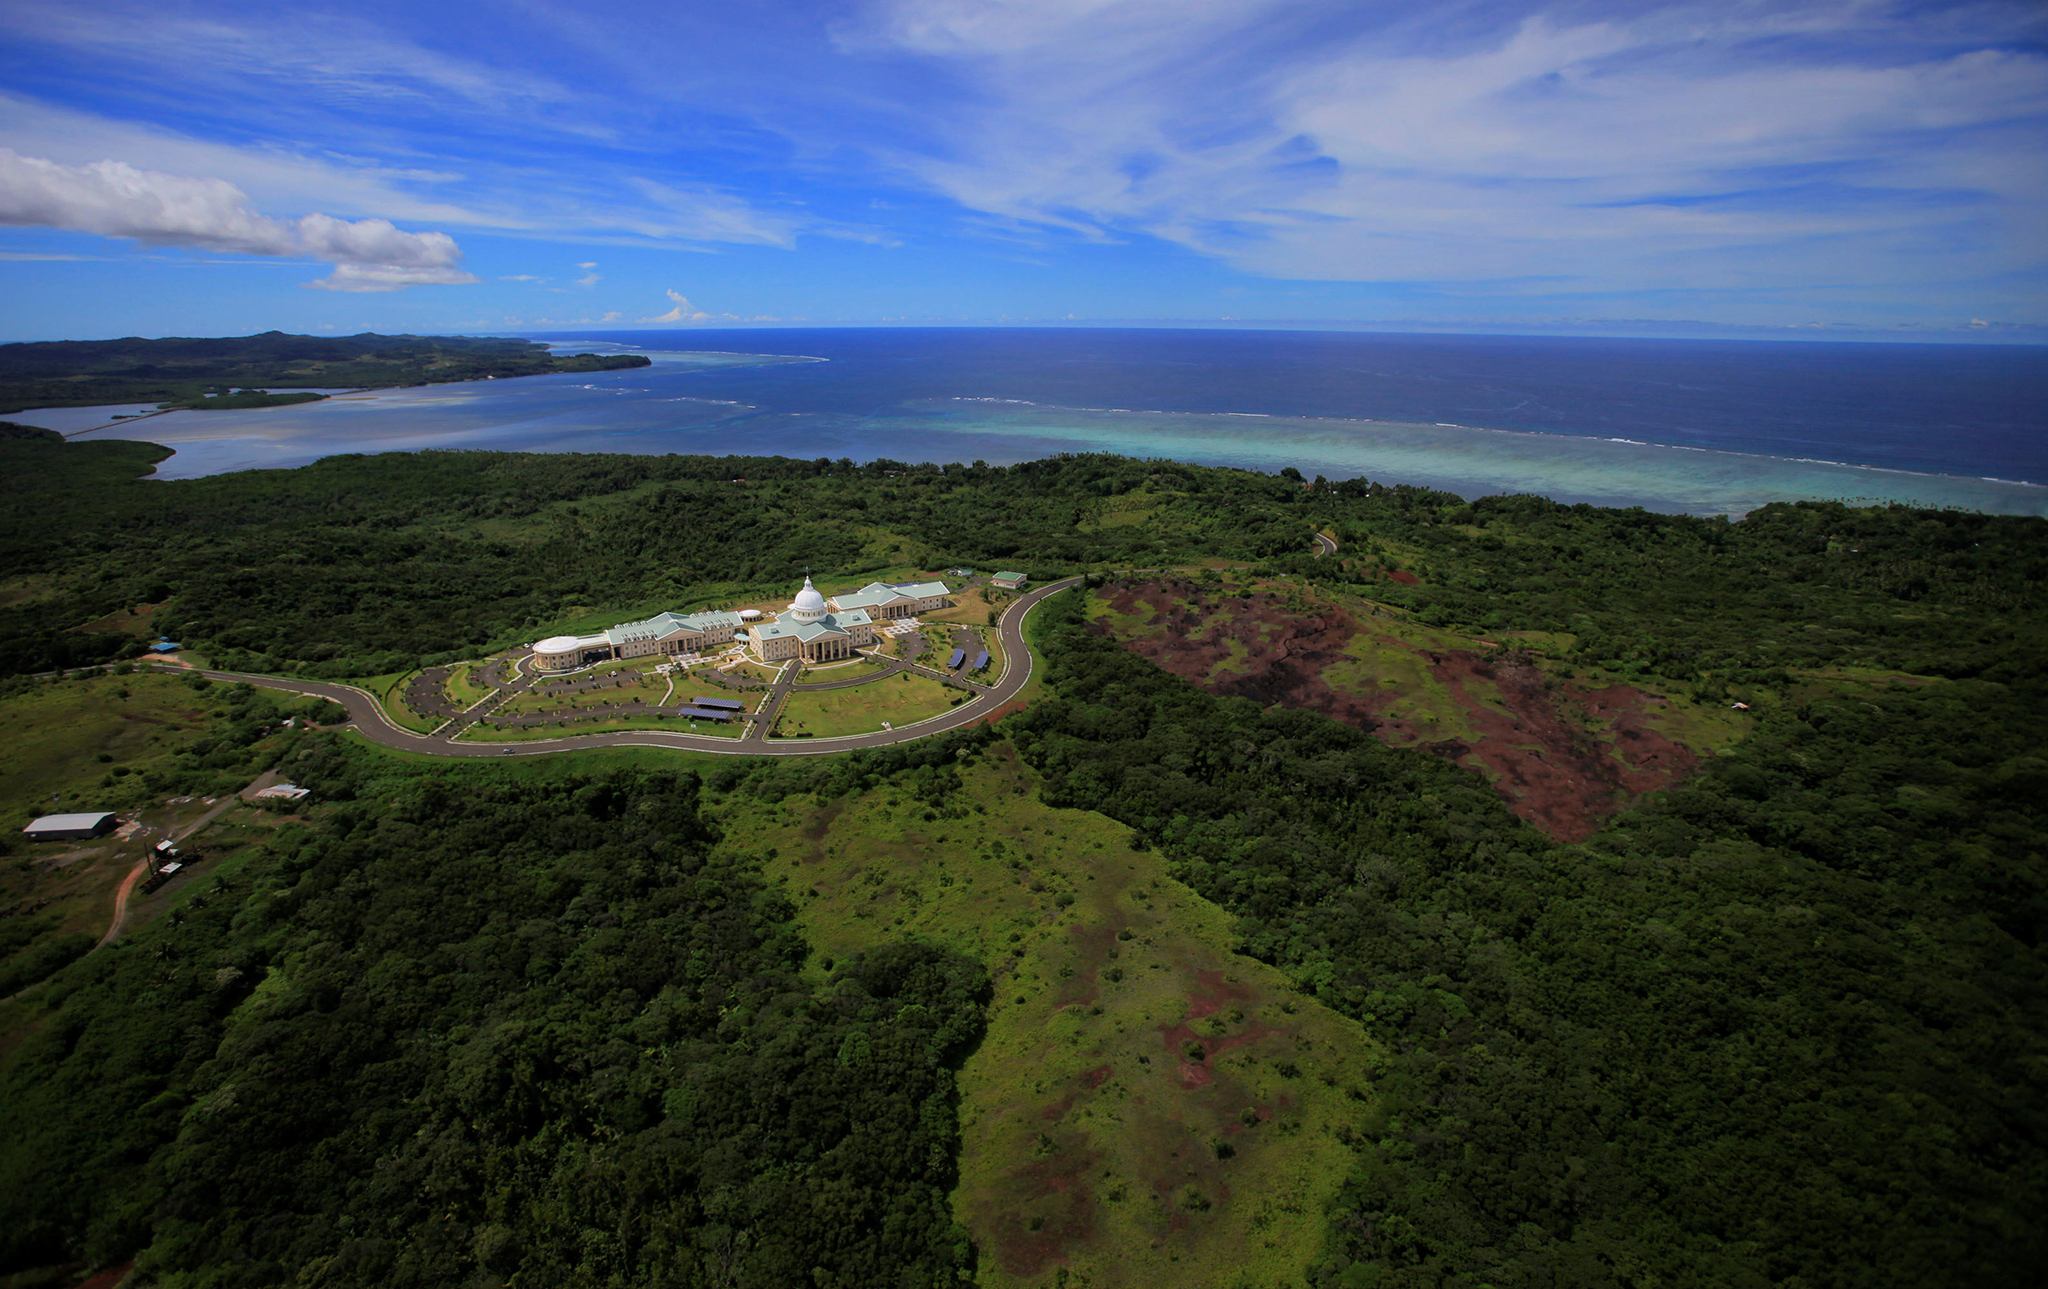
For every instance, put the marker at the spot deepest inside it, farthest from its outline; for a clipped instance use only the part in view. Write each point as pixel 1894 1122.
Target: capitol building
pixel 813 628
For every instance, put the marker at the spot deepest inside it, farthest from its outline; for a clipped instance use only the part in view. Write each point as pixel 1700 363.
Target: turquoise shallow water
pixel 762 404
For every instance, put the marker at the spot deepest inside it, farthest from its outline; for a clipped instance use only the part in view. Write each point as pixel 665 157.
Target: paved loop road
pixel 367 714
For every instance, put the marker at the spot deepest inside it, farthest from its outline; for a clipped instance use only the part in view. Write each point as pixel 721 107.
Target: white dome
pixel 556 644
pixel 808 605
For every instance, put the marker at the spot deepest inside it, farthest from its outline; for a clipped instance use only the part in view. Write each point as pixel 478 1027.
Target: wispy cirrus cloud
pixel 114 199
pixel 1655 146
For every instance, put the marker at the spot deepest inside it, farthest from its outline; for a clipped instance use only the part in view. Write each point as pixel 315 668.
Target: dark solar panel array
pixel 953 663
pixel 725 704
pixel 706 714
pixel 981 660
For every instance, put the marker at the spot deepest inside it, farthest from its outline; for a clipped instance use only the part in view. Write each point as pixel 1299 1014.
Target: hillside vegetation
pixel 180 370
pixel 640 1018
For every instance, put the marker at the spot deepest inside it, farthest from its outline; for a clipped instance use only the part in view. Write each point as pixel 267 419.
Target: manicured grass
pixel 970 606
pixel 998 658
pixel 485 733
pixel 863 708
pixel 390 692
pixel 1082 1110
pixel 641 683
pixel 751 671
pixel 462 686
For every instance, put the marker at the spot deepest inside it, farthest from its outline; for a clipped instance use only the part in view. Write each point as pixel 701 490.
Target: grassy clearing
pixel 1095 1139
pixel 129 622
pixel 90 744
pixel 862 709
pixel 84 744
pixel 592 760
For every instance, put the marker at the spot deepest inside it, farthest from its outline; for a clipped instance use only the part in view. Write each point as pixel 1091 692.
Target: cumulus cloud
pixel 114 199
pixel 683 312
pixel 590 277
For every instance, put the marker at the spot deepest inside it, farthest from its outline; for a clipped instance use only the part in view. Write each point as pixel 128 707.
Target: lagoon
pixel 1692 427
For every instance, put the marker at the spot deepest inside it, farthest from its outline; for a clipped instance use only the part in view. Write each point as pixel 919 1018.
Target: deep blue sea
pixel 1678 425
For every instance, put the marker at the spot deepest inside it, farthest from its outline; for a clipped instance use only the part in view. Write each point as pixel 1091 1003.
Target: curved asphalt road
pixel 367 715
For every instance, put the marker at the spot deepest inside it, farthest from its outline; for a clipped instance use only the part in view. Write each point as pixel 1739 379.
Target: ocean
pixel 1708 427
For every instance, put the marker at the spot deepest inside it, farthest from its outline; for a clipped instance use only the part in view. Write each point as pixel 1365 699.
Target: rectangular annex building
pixel 80 827
pixel 665 633
pixel 894 599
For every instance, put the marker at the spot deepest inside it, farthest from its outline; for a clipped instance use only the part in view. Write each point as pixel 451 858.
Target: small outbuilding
pixel 79 827
pixel 1010 581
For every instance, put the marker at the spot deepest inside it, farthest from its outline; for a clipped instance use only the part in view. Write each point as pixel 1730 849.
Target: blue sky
pixel 1853 167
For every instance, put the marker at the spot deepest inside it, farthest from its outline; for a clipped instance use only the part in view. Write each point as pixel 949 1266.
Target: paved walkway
pixel 367 715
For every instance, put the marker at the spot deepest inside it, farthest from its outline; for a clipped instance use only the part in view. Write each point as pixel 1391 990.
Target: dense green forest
pixel 468 1024
pixel 76 373
pixel 364 565
pixel 1782 1025
pixel 1944 593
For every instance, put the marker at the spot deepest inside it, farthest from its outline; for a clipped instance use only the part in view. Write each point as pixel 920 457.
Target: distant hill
pixel 80 373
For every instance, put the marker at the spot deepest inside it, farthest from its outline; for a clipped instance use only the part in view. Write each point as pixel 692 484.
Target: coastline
pixel 655 410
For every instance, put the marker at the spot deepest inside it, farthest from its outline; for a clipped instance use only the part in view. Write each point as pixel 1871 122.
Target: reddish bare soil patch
pixel 1553 769
pixel 1025 1251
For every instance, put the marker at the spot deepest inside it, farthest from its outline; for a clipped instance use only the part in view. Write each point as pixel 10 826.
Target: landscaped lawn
pixel 482 732
pixel 970 607
pixel 462 686
pixel 637 673
pixel 390 692
pixel 862 709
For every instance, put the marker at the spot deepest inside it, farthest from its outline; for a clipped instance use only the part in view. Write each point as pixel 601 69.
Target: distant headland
pixel 237 371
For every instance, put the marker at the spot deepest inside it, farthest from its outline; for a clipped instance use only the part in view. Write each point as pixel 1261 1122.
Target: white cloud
pixel 583 206
pixel 683 312
pixel 114 199
pixel 272 176
pixel 1673 145
pixel 589 279
pixel 706 215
